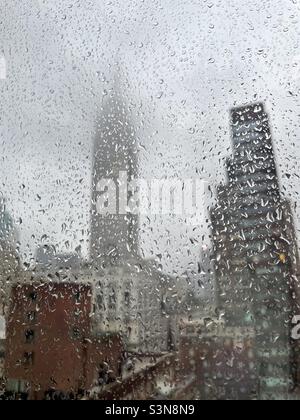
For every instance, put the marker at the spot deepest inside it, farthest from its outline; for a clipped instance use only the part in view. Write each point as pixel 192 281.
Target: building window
pixel 76 333
pixel 29 336
pixel 77 297
pixel 112 300
pixel 33 296
pixel 100 302
pixel 28 358
pixel 31 316
pixel 127 298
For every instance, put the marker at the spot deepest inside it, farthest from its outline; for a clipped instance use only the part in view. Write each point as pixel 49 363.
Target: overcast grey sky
pixel 184 63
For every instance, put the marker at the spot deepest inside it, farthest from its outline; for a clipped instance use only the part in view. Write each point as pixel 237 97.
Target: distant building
pixel 114 237
pixel 255 250
pixel 10 261
pixel 221 359
pixel 48 259
pixel 129 299
pixel 2 327
pixel 130 291
pixel 50 348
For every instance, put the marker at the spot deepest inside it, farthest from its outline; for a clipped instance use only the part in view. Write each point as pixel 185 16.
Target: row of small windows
pixel 30 335
pixel 33 296
pixel 112 300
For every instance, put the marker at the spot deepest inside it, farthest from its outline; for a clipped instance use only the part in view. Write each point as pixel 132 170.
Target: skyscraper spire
pixel 114 237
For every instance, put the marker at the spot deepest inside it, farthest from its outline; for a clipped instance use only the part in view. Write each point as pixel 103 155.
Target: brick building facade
pixel 49 342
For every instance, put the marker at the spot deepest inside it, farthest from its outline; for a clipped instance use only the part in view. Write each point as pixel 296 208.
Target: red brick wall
pixel 58 349
pixel 108 350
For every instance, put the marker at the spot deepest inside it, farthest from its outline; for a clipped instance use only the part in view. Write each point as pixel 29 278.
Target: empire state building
pixel 114 237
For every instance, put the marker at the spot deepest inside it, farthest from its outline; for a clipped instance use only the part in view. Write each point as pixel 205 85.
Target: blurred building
pixel 2 360
pixel 10 262
pixel 114 236
pixel 130 290
pixel 50 347
pixel 130 299
pixel 256 250
pixel 220 358
pixel 48 259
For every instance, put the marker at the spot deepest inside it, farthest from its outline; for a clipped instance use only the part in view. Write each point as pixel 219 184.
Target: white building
pixel 130 299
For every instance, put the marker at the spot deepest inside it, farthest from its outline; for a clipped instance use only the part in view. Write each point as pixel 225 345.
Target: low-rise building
pixel 222 360
pixel 151 378
pixel 50 346
pixel 2 349
pixel 134 299
pixel 2 360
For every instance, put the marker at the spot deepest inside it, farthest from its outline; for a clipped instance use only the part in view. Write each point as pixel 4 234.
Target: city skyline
pixel 150 202
pixel 120 309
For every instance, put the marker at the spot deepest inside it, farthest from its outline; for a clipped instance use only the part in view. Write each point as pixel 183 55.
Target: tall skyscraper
pixel 256 252
pixel 114 237
pixel 130 290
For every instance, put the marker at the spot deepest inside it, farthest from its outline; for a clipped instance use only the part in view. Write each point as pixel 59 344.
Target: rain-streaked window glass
pixel 149 201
